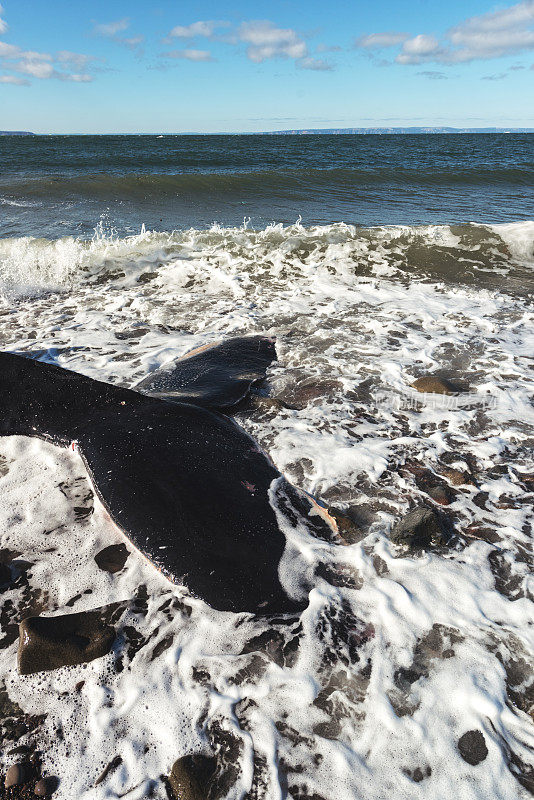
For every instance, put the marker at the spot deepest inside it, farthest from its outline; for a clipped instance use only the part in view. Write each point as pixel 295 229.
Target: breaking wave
pixel 489 255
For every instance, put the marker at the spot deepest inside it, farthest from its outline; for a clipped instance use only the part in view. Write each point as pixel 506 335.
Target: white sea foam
pixel 29 265
pixel 440 637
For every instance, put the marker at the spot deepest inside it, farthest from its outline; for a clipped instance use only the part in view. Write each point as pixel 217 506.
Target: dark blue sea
pixel 53 186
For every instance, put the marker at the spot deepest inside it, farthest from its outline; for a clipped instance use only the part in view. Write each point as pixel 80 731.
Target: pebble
pixel 17 774
pixel 45 787
pixel 182 784
pixel 442 495
pixel 113 558
pixel 435 385
pixel 472 747
pixel 456 476
pixel 51 642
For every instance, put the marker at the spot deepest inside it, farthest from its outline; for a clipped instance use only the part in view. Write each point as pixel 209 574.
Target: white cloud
pixel 44 70
pixel 433 74
pixel 9 50
pixel 421 45
pixel 204 28
pixel 73 59
pixel 265 41
pixel 3 27
pixel 317 64
pixel 132 42
pixel 37 69
pixel 263 38
pixel 513 17
pixel 376 41
pixel 190 55
pixel 328 48
pixel 418 49
pixel 83 78
pixel 111 29
pixel 486 36
pixel 14 80
pixel 42 66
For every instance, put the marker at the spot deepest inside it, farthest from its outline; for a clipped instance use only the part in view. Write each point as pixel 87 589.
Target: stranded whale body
pixel 187 486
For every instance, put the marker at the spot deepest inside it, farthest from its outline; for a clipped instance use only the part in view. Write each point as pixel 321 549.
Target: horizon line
pixel 356 131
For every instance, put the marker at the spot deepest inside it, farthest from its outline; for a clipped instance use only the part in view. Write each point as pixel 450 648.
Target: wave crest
pixel 464 253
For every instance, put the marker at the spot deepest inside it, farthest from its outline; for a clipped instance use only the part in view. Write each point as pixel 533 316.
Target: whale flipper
pixel 216 376
pixel 186 485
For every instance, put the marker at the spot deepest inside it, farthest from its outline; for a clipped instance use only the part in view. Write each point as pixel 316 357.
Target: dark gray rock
pixel 46 786
pixel 113 558
pixel 472 747
pixel 182 783
pixel 51 642
pixel 421 528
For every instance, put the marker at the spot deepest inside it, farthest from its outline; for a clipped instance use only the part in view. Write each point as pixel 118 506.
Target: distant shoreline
pixel 301 132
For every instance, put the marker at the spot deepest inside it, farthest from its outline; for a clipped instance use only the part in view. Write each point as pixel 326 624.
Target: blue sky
pixel 131 66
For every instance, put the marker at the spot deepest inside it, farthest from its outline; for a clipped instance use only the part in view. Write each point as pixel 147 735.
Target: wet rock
pixel 427 481
pixel 456 476
pixel 349 530
pixel 472 747
pixel 480 500
pixel 507 581
pixel 227 751
pixel 527 479
pixel 4 468
pixel 131 333
pixel 476 530
pixel 14 723
pixel 146 277
pixel 161 646
pixel 18 774
pixel 433 384
pixel 113 558
pixel 381 568
pixel 182 784
pixel 108 769
pixel 46 787
pixel 341 575
pixel 506 501
pixel 51 642
pixel 421 528
pixel 311 390
pixel 418 774
pixel 442 495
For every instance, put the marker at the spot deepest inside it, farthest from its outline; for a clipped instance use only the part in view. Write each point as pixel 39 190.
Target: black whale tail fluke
pixel 186 485
pixel 39 399
pixel 218 376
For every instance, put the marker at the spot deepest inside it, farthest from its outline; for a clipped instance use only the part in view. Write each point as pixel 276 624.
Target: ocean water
pixel 372 261
pixel 61 185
